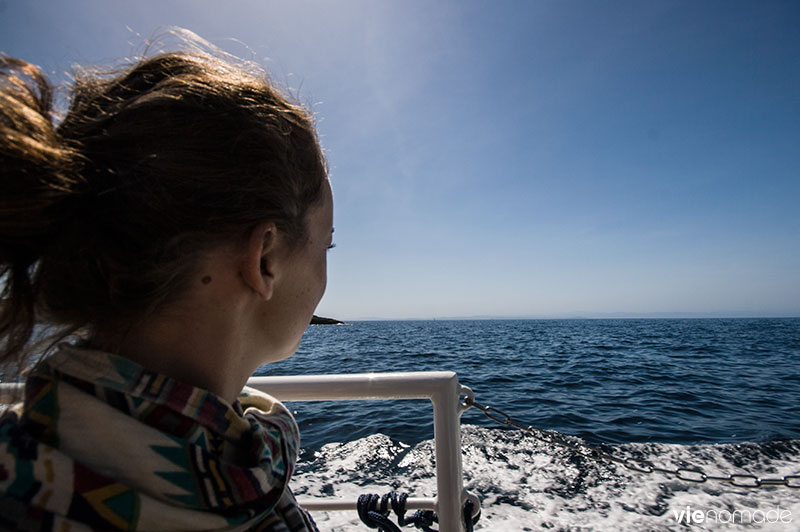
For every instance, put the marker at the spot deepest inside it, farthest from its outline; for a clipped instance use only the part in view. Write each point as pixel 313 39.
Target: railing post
pixel 447 435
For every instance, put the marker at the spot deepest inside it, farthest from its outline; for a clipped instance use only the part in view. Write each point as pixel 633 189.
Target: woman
pixel 174 224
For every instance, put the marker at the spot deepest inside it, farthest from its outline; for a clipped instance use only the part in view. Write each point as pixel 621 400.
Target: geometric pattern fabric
pixel 101 443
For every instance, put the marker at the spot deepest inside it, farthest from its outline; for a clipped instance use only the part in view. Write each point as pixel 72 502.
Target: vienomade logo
pixel 691 516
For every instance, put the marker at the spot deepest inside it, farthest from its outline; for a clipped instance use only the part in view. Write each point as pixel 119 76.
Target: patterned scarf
pixel 101 443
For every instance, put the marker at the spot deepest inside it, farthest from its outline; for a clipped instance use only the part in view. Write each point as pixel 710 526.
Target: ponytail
pixel 36 177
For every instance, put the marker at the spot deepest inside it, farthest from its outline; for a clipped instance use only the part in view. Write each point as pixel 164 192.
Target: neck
pixel 189 354
pixel 199 340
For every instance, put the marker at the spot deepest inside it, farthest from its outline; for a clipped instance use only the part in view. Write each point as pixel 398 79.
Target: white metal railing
pixel 440 387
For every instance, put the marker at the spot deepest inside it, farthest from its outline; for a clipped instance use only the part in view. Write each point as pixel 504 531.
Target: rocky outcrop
pixel 319 320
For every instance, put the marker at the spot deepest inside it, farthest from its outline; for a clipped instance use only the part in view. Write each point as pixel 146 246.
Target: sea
pixel 720 395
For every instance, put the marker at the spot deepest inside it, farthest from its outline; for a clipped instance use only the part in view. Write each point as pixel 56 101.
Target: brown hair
pixel 102 217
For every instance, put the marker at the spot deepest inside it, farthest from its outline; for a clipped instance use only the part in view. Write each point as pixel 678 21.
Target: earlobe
pixel 256 267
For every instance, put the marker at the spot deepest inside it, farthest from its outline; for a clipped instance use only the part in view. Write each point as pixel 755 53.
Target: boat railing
pixel 440 387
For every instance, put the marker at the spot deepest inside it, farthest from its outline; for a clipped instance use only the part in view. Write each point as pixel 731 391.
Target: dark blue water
pixel 617 381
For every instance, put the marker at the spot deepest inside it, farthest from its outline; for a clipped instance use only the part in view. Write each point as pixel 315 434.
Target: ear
pixel 257 267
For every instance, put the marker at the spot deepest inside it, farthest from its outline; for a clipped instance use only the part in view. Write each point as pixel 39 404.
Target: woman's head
pixel 103 216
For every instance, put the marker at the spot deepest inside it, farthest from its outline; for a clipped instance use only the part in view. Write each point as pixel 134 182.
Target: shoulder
pixel 267 410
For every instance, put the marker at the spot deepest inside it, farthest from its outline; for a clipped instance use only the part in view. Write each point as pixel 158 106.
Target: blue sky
pixel 518 159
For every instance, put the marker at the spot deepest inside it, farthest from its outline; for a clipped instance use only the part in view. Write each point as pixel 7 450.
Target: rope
pixel 373 511
pixel 469 521
pixel 373 516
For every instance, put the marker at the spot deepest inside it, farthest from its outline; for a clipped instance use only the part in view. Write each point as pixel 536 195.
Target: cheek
pixel 323 273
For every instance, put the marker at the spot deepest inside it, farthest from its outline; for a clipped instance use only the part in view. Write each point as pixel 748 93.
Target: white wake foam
pixel 528 485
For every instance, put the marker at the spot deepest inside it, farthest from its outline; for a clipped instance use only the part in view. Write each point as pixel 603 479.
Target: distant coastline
pixel 596 316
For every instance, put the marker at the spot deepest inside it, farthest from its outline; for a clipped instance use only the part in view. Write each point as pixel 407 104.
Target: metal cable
pixel 688 474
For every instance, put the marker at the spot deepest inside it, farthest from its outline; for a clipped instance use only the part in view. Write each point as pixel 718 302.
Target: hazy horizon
pixel 579 316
